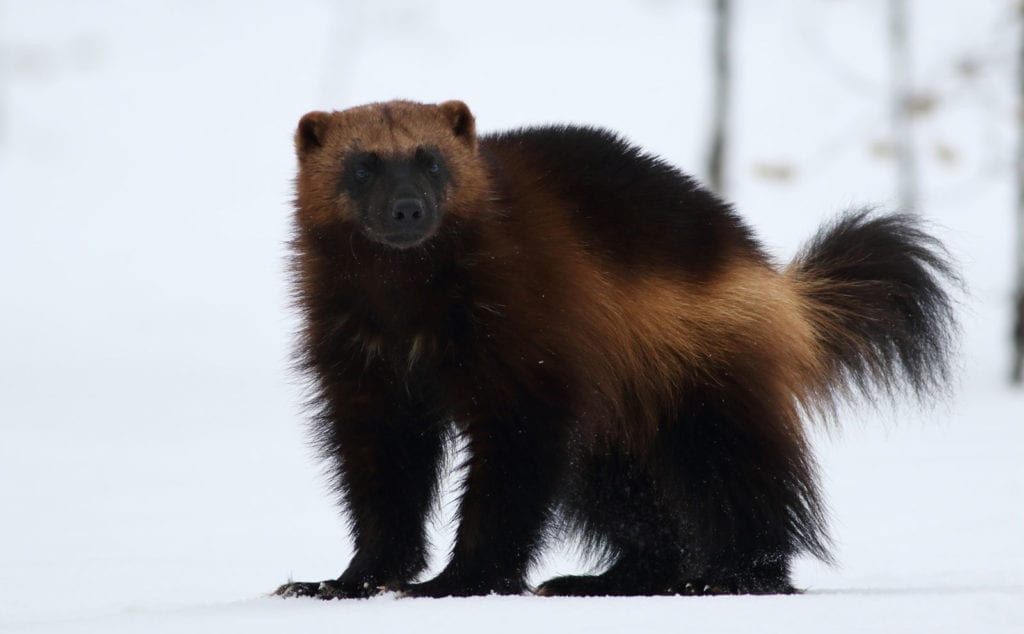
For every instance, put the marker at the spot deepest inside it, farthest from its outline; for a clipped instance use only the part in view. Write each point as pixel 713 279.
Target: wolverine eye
pixel 428 160
pixel 361 168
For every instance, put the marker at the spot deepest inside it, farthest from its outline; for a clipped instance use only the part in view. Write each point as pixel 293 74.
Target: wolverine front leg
pixel 514 466
pixel 386 458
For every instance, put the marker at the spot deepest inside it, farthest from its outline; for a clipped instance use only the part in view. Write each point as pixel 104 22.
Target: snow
pixel 154 475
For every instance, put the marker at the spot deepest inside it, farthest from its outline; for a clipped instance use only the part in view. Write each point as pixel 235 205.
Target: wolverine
pixel 620 356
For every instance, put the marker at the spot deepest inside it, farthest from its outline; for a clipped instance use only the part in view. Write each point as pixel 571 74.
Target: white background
pixel 154 474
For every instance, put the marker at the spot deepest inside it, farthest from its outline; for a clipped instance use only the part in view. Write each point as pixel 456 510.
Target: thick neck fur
pixel 401 307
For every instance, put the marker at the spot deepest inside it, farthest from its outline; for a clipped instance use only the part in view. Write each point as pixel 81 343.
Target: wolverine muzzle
pixel 406 222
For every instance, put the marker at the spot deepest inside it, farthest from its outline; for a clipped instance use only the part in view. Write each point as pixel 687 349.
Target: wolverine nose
pixel 407 212
pixel 407 222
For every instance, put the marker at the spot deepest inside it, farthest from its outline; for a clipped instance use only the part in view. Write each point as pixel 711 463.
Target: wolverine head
pixel 389 171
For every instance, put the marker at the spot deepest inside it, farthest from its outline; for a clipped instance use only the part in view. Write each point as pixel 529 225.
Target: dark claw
pixel 329 589
pixel 736 586
pixel 299 589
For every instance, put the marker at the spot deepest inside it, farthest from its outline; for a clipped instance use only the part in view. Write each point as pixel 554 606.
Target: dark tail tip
pixel 879 288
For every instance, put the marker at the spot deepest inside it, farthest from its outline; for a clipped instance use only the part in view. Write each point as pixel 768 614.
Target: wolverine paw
pixel 298 589
pixel 711 587
pixel 329 589
pixel 570 586
pixel 600 586
pixel 702 588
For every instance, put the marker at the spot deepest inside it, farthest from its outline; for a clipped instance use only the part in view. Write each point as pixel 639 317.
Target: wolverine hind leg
pixel 748 488
pixel 723 501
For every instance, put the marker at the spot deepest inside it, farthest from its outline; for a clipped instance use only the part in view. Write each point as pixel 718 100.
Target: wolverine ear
pixel 312 132
pixel 461 120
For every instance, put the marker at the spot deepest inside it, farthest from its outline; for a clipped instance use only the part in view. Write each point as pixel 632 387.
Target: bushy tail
pixel 878 294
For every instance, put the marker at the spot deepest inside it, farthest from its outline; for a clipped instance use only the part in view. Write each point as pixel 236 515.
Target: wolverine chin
pixel 401 241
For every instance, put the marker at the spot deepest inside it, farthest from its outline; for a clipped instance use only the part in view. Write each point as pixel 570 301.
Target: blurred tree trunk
pixel 4 64
pixel 1018 336
pixel 902 105
pixel 1018 303
pixel 722 95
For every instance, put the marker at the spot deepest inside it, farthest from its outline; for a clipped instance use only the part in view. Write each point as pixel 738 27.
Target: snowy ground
pixel 153 471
